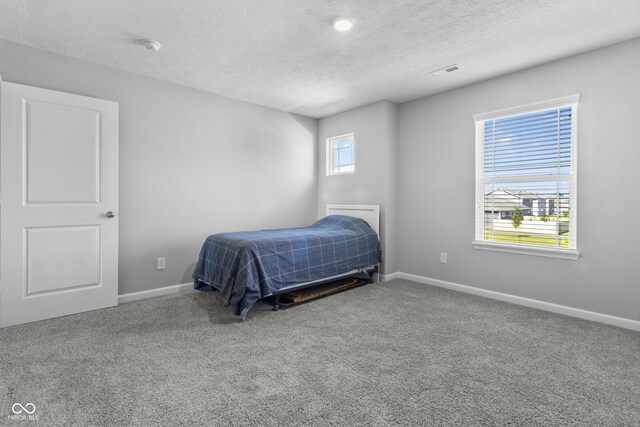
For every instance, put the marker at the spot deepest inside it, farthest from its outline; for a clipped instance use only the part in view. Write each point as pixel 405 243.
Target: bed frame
pixel 369 213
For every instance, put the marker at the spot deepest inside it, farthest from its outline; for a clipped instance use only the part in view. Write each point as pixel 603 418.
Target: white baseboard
pixel 167 290
pixel 185 287
pixel 541 305
pixel 390 276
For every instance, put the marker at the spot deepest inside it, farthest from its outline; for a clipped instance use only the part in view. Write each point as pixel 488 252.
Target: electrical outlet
pixel 443 257
pixel 161 263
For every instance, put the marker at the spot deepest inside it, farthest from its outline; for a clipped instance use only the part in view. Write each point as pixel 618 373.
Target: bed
pixel 247 266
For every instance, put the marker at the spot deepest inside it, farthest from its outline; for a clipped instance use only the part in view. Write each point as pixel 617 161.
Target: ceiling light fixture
pixel 343 23
pixel 152 45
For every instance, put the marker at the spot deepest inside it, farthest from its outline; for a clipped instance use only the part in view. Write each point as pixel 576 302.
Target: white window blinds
pixel 526 176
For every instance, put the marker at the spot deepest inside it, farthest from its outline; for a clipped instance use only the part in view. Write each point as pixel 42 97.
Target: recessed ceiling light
pixel 152 45
pixel 343 23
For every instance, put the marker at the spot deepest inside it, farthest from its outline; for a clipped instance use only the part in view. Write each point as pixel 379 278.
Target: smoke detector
pixel 152 45
pixel 445 70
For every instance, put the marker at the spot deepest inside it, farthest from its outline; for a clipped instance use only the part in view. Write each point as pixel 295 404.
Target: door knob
pixel 110 214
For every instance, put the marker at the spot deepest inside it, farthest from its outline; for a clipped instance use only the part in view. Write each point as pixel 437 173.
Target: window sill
pixel 570 254
pixel 340 173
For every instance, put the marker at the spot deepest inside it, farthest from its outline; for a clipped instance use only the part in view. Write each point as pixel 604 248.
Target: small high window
pixel 341 155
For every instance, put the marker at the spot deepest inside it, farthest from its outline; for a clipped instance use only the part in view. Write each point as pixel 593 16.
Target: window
pixel 341 155
pixel 526 179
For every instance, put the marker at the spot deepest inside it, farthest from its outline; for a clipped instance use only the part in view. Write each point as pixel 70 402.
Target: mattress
pixel 246 266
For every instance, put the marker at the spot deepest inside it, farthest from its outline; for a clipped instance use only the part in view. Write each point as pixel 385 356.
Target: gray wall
pixel 436 184
pixel 374 181
pixel 191 163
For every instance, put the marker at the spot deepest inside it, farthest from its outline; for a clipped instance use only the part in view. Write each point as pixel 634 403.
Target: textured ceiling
pixel 284 53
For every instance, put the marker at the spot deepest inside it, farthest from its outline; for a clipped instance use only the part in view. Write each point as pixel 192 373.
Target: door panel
pixel 50 144
pixel 58 178
pixel 52 268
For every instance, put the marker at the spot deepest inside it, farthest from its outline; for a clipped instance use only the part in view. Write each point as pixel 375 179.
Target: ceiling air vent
pixel 445 70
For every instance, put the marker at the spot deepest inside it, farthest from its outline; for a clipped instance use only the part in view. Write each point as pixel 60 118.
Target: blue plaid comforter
pixel 246 266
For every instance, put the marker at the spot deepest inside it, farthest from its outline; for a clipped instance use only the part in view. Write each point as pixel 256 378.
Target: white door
pixel 58 181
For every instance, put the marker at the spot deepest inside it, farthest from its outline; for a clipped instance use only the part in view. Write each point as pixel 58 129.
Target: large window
pixel 526 179
pixel 341 155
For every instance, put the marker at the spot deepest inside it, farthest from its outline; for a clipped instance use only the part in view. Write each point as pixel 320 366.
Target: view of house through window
pixel 526 178
pixel 341 155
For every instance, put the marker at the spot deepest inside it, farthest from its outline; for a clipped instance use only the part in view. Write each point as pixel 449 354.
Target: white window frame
pixel 330 149
pixel 479 242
